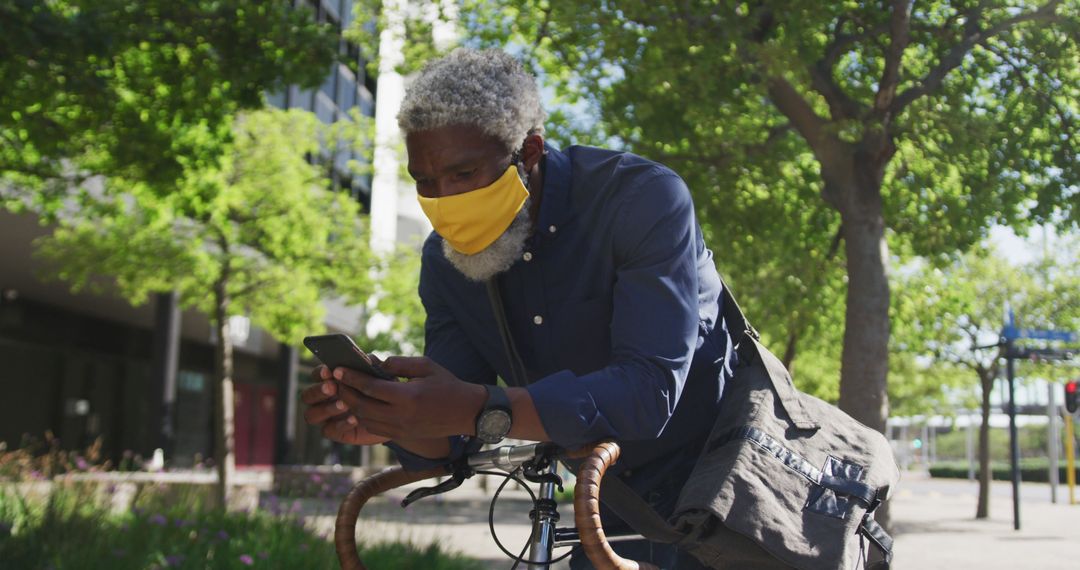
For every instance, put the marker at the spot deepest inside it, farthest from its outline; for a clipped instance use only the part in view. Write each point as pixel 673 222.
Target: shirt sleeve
pixel 654 326
pixel 446 343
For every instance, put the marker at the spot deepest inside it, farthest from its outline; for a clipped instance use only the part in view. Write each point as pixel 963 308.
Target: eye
pixel 465 174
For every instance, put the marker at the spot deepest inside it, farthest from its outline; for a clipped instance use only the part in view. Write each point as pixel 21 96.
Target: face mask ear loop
pixel 516 158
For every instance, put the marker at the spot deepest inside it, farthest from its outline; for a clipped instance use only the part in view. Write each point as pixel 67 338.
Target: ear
pixel 532 150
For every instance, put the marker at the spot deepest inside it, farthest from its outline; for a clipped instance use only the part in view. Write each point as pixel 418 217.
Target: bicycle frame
pixel 540 459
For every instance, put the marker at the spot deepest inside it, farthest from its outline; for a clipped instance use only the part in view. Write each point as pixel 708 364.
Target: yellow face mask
pixel 473 220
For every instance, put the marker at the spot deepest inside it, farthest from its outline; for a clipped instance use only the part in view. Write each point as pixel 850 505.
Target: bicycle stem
pixel 544 517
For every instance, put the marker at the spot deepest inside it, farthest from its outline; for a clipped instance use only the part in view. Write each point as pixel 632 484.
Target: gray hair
pixel 487 89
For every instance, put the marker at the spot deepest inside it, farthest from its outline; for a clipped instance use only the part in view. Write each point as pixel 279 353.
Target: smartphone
pixel 338 350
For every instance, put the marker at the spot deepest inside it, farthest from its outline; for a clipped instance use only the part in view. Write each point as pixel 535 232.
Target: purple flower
pixel 35 474
pixel 181 523
pixel 247 559
pixel 295 508
pixel 111 489
pixel 174 560
pixel 159 519
pixel 222 535
pixel 81 463
pixel 316 478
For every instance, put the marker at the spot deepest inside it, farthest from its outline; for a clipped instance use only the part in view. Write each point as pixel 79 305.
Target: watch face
pixel 493 426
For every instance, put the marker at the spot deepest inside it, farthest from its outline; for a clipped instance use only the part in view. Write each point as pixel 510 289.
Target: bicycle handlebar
pixel 596 458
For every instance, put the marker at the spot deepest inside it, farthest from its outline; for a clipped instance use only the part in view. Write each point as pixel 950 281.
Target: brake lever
pixel 532 471
pixel 455 481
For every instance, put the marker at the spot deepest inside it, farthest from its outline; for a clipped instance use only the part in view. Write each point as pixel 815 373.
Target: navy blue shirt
pixel 613 307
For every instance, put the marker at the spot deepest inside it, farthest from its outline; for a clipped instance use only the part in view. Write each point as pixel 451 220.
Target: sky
pixel 1019 249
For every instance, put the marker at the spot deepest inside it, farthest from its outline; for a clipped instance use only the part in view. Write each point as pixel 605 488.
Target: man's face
pixel 454 160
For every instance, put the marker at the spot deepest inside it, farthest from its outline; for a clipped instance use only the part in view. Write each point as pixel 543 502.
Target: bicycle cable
pixel 520 558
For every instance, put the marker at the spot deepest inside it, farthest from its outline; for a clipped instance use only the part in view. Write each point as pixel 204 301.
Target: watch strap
pixel 496 398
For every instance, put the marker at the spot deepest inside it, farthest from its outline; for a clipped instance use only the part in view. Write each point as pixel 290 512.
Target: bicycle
pixel 537 463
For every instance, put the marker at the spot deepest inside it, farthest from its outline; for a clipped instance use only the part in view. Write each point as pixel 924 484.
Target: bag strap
pixel 634 511
pixel 741 330
pixel 517 367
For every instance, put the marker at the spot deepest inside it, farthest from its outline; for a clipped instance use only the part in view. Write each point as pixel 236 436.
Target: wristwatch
pixel 494 420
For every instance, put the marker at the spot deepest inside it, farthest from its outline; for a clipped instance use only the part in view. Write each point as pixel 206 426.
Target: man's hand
pixel 432 404
pixel 326 408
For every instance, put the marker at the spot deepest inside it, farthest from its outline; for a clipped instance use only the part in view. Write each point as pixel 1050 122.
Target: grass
pixel 71 530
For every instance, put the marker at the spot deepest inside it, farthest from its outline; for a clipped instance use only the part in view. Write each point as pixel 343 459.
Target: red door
pixel 255 428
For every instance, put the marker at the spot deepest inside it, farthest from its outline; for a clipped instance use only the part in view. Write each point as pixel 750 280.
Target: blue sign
pixel 1013 333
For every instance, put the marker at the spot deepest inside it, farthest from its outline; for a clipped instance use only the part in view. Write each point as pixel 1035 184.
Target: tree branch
pixel 809 124
pixel 973 36
pixel 841 106
pixel 899 37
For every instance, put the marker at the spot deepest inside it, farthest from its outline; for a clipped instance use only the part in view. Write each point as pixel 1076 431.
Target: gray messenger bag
pixel 785 480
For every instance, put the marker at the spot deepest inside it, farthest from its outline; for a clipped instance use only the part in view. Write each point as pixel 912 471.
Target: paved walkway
pixel 935 528
pixel 933 520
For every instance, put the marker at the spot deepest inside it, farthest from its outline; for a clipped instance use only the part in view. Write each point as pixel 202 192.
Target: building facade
pixel 90 366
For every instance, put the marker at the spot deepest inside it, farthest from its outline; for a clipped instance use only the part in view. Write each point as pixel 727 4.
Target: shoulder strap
pixel 742 332
pixel 518 377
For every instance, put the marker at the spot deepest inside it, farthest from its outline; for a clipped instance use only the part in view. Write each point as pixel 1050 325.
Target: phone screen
pixel 338 350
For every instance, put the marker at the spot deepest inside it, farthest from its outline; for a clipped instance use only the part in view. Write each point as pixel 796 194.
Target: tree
pixel 922 124
pixel 124 87
pixel 253 232
pixel 398 301
pixel 954 310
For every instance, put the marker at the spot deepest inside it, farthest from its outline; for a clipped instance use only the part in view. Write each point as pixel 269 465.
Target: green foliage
pixel 68 530
pixel 1031 471
pixel 1033 441
pixel 257 225
pixel 417 24
pixel 398 299
pixel 945 313
pixel 138 90
pixel 782 116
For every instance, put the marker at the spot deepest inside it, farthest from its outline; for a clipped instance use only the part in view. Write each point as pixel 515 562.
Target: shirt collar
pixel 555 207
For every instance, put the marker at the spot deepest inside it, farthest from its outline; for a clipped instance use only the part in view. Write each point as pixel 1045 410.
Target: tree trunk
pixel 224 443
pixel 865 360
pixel 982 511
pixel 864 365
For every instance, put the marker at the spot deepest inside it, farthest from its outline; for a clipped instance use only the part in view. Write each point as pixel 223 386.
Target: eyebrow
pixel 459 165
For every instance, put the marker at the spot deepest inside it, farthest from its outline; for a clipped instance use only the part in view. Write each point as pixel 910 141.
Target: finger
pixel 318 392
pixel 365 407
pixel 410 366
pixel 369 385
pixel 320 373
pixel 383 429
pixel 350 431
pixel 320 413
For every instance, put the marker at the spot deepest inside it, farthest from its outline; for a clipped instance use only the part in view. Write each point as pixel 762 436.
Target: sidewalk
pixel 934 527
pixel 933 524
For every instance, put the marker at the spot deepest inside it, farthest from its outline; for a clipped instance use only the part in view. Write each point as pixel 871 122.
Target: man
pixel 611 299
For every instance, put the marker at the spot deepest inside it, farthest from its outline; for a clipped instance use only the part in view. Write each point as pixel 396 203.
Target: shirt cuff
pixel 568 411
pixel 459 444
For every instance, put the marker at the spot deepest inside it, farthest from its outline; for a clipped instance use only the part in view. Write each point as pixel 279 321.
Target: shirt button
pixel 538 320
pixel 527 256
pixel 551 229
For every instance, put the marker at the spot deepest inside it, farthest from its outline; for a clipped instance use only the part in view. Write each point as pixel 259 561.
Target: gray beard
pixel 497 257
